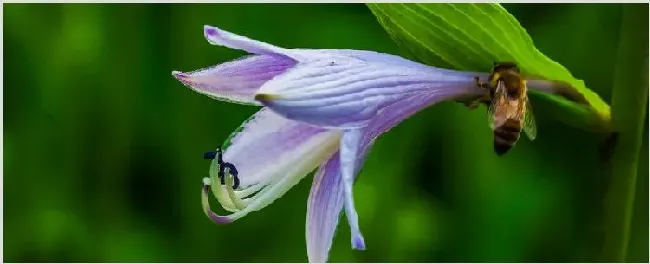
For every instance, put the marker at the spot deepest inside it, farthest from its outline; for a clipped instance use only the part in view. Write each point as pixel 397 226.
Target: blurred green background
pixel 102 147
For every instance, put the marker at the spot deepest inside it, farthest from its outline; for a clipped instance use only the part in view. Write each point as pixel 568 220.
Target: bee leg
pixel 480 83
pixel 473 104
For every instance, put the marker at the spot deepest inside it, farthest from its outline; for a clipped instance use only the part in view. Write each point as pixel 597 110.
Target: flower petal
pixel 219 37
pixel 327 194
pixel 348 89
pixel 324 206
pixel 398 111
pixel 350 146
pixel 236 81
pixel 271 155
pixel 323 210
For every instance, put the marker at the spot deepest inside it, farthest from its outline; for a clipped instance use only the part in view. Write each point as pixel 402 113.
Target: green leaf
pixel 629 105
pixel 473 36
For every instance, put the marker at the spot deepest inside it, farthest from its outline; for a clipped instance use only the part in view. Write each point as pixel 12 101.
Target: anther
pixel 221 173
pixel 232 170
pixel 210 155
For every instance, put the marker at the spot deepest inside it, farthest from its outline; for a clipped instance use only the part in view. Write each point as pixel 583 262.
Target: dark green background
pixel 102 147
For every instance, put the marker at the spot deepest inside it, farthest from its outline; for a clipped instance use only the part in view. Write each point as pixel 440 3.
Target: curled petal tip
pixel 266 97
pixel 219 219
pixel 358 243
pixel 206 206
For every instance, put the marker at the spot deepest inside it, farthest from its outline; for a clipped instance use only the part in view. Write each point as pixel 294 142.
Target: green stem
pixel 629 99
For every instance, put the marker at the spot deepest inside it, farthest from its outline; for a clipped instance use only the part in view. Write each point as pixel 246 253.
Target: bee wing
pixel 530 127
pixel 497 100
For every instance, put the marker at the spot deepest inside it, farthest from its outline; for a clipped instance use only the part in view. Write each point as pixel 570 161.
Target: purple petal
pixel 324 206
pixel 265 141
pixel 236 81
pixel 271 155
pixel 395 113
pixel 327 194
pixel 224 38
pixel 349 152
pixel 348 89
pixel 323 210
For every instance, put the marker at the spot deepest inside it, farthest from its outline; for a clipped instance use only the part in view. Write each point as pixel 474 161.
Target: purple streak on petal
pixel 325 204
pixel 398 111
pixel 348 89
pixel 323 210
pixel 263 141
pixel 237 80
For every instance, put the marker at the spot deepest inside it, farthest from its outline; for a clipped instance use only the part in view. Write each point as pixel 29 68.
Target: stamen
pixel 233 172
pixel 218 154
pixel 228 177
pixel 237 202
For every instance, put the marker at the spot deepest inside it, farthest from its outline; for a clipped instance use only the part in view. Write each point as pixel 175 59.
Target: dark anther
pixel 210 155
pixel 232 170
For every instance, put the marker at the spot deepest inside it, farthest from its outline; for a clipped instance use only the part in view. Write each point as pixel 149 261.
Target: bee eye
pixel 210 155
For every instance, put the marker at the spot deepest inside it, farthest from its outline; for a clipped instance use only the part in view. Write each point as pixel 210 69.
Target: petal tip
pixel 358 243
pixel 179 75
pixel 182 77
pixel 210 31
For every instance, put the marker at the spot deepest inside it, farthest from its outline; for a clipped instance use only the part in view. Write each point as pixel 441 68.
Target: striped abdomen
pixel 506 136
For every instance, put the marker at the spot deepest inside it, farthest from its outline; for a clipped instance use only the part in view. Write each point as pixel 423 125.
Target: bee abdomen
pixel 506 136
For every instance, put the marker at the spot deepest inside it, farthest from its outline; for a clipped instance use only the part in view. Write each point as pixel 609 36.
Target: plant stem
pixel 629 99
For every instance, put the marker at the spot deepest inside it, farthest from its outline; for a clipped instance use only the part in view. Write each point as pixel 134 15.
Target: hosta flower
pixel 323 109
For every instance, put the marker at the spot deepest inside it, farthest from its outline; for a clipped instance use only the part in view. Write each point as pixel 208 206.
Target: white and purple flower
pixel 322 108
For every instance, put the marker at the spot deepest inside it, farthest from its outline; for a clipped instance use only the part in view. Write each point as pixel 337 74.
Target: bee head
pixel 504 66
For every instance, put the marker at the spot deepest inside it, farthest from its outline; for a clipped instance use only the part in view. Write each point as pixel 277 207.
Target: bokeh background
pixel 103 148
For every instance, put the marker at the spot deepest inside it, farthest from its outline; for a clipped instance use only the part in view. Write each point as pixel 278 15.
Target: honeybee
pixel 509 109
